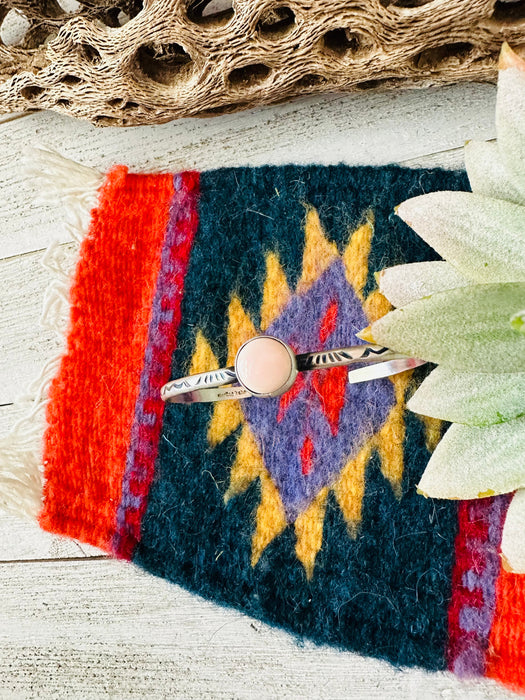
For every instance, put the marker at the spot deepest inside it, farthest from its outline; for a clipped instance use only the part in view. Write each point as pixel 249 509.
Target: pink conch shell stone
pixel 263 365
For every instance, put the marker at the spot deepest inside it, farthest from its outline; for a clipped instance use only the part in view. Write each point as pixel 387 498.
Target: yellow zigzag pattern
pixel 270 520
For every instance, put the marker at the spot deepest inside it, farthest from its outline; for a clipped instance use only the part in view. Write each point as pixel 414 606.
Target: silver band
pixel 228 383
pixel 344 356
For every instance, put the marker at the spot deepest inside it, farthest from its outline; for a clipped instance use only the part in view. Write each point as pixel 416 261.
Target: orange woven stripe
pixel 93 396
pixel 506 653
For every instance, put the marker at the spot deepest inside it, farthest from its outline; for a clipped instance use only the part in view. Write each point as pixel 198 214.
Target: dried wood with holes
pixel 124 62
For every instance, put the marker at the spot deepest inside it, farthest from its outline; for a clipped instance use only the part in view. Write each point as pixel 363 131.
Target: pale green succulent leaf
pixel 513 541
pixel 510 115
pixel 472 398
pixel 404 284
pixel 483 238
pixel 466 329
pixel 474 462
pixel 488 175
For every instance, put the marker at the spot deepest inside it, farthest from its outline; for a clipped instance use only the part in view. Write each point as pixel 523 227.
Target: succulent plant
pixel 466 315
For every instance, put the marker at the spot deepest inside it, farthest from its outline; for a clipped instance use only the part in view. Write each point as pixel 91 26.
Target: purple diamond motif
pixel 308 435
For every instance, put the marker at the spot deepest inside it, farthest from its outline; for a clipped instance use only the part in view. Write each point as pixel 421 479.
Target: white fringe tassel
pixel 74 188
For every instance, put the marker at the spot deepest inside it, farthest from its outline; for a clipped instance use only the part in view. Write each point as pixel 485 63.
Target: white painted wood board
pixel 74 625
pixel 24 345
pixel 98 629
pixel 374 129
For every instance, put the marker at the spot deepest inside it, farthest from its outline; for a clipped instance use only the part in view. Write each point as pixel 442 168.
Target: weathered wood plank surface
pixel 102 629
pixel 375 129
pixel 73 625
pixel 24 345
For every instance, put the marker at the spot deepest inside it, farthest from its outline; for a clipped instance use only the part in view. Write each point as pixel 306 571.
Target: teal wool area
pixel 382 590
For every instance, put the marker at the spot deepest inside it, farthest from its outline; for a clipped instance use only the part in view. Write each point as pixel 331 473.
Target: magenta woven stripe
pixel 162 338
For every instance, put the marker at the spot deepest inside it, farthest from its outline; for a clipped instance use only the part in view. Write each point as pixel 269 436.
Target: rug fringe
pixel 74 188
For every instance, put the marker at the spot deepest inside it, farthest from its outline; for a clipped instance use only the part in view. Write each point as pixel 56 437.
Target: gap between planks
pixel 25 562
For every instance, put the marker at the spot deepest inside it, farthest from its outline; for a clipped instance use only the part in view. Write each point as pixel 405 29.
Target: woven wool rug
pixel 302 510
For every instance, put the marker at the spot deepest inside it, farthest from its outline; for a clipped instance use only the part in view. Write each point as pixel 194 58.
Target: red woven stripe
pixel 163 332
pixel 94 393
pixel 506 656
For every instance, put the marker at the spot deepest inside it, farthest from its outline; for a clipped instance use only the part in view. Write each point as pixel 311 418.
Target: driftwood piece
pixel 124 62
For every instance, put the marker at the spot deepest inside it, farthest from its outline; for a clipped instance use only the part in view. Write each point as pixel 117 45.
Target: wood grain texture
pixel 24 345
pixel 103 629
pixel 172 60
pixel 8 415
pixel 357 129
pixel 23 540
